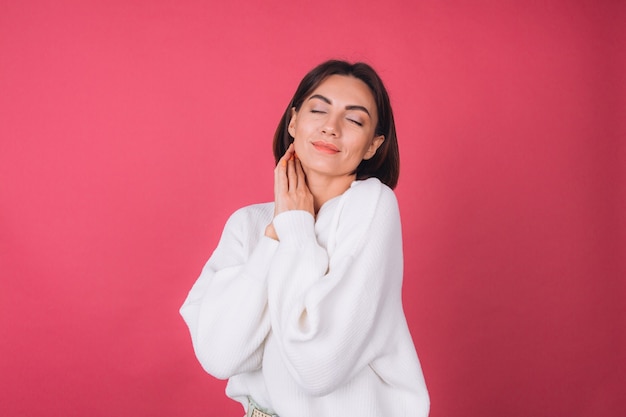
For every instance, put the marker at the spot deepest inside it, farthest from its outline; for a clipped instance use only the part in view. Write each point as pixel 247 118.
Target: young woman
pixel 299 306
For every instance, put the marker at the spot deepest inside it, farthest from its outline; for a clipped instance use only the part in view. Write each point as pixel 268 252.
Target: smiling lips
pixel 325 147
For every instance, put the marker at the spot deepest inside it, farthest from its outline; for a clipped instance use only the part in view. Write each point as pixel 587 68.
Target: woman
pixel 299 307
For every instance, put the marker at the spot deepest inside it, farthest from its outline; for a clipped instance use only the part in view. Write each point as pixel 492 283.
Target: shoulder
pixel 250 218
pixel 252 214
pixel 244 227
pixel 366 215
pixel 372 194
pixel 367 205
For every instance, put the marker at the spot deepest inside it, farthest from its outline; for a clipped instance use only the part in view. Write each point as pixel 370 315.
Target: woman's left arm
pixel 333 315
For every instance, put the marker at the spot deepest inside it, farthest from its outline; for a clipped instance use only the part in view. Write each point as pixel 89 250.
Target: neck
pixel 325 188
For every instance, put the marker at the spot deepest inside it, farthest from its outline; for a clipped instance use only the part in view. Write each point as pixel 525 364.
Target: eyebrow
pixel 350 107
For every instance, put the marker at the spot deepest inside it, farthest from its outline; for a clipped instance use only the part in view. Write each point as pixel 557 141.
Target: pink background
pixel 130 130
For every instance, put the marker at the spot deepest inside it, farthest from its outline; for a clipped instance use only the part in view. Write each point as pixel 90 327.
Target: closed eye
pixel 356 122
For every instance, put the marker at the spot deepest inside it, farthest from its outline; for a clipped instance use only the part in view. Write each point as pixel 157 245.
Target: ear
pixel 292 123
pixel 376 142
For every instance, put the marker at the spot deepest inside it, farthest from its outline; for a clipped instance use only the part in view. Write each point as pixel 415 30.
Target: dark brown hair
pixel 385 164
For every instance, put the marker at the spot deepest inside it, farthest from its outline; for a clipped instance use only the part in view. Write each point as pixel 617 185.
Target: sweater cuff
pixel 295 227
pixel 260 259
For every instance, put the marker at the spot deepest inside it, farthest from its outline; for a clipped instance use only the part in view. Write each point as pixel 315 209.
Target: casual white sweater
pixel 311 325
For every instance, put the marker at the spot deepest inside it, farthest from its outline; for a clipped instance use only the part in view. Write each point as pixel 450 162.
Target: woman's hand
pixel 290 189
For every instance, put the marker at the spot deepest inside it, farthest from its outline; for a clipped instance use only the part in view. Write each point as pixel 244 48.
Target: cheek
pixel 360 147
pixel 298 146
pixel 302 134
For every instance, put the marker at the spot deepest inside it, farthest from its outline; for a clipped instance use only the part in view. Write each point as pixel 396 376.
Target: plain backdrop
pixel 130 131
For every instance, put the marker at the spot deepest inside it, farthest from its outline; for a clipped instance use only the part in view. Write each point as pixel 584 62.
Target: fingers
pixel 285 173
pixel 287 156
pixel 280 177
pixel 281 183
pixel 290 189
pixel 299 173
pixel 292 176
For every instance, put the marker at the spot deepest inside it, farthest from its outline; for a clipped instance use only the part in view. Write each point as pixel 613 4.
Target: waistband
pixel 255 411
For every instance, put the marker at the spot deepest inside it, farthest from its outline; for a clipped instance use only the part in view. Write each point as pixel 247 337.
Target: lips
pixel 325 147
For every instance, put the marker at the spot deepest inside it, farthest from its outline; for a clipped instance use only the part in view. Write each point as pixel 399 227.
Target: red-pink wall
pixel 130 130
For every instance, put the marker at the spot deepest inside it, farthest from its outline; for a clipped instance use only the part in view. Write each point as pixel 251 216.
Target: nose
pixel 331 127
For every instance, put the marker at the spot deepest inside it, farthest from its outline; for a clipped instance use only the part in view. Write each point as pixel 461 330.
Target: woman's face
pixel 334 130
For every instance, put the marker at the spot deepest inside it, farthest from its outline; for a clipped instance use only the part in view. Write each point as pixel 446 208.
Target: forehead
pixel 346 90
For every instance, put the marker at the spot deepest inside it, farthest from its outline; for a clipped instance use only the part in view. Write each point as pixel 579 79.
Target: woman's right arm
pixel 226 309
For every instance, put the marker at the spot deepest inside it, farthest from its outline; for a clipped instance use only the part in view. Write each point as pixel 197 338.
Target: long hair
pixel 385 164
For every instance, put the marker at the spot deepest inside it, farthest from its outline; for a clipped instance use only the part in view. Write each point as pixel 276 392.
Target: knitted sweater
pixel 312 324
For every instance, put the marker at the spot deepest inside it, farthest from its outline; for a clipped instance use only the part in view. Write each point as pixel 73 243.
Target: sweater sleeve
pixel 226 309
pixel 332 314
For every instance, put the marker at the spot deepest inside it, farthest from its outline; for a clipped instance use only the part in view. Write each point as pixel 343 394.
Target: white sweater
pixel 312 324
